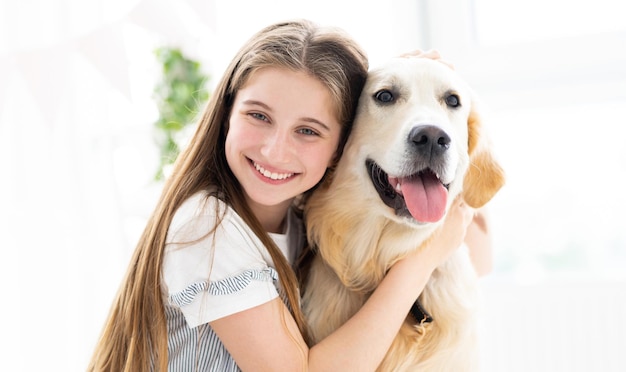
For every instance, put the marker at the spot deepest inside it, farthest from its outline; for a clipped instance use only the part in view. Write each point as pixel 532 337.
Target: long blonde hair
pixel 134 337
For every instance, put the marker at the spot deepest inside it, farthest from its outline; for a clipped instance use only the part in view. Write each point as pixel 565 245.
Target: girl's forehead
pixel 273 70
pixel 279 78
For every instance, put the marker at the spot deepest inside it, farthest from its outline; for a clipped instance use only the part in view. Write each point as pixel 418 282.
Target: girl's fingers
pixel 432 54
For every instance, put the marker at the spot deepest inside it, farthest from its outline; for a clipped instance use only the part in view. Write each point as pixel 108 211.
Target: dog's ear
pixel 485 176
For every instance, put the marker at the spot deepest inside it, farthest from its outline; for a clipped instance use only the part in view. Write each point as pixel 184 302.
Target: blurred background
pixel 80 147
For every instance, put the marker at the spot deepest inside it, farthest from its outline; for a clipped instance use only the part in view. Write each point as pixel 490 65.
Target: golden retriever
pixel 417 143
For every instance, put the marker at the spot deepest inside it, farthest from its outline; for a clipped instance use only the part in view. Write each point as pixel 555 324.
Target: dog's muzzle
pixel 420 195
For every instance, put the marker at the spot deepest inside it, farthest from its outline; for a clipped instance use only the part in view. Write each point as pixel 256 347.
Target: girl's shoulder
pixel 199 214
pixel 198 204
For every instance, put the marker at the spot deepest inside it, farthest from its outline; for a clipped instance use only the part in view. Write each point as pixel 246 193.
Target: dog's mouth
pixel 422 196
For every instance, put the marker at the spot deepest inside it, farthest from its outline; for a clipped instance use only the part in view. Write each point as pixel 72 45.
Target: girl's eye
pixel 259 116
pixel 384 96
pixel 453 100
pixel 308 132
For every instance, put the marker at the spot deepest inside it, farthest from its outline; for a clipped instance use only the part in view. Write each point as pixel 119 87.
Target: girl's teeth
pixel 268 174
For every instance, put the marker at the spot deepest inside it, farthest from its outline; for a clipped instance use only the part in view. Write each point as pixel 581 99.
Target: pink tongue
pixel 425 197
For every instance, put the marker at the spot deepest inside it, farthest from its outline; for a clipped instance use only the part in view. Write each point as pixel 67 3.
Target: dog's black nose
pixel 429 140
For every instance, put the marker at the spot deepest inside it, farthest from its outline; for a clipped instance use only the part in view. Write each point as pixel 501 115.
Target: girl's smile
pixel 270 176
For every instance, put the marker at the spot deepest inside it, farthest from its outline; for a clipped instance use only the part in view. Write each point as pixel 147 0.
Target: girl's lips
pixel 271 175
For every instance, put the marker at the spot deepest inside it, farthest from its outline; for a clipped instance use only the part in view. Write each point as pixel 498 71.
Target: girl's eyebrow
pixel 252 102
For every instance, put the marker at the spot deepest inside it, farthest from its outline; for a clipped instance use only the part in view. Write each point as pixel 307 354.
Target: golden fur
pixel 358 236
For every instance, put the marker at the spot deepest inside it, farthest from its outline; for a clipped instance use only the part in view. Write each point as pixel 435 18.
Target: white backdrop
pixel 77 155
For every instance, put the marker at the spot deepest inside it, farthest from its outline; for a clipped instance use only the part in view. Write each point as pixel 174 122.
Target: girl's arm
pixel 266 338
pixel 478 241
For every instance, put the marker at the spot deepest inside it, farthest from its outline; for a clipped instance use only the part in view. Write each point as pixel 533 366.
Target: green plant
pixel 178 95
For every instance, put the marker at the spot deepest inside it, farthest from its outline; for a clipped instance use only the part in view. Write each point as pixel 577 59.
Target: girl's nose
pixel 277 147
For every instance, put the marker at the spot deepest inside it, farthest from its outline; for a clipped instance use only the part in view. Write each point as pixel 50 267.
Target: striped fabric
pixel 231 272
pixel 194 349
pixel 223 287
pixel 199 349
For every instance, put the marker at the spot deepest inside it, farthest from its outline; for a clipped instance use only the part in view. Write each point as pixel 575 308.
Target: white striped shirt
pixel 213 277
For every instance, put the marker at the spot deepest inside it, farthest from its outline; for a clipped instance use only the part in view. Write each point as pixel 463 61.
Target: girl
pixel 211 284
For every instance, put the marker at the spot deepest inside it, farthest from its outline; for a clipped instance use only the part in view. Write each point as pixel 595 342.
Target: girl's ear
pixel 485 176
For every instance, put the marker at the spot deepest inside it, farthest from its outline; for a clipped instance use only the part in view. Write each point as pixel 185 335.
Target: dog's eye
pixel 453 100
pixel 384 96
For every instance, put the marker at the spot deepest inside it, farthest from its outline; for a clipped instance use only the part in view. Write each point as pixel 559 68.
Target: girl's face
pixel 283 135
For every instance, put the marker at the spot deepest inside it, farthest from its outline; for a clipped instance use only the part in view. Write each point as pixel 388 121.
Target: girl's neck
pixel 272 218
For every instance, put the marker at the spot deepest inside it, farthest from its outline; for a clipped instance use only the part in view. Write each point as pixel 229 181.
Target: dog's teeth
pixel 398 187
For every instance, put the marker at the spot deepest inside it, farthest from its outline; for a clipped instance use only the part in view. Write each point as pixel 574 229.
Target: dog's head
pixel 418 141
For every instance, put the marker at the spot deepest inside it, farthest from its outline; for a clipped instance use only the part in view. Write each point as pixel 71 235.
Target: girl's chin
pixel 269 202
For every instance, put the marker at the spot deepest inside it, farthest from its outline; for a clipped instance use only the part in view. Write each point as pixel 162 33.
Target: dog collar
pixel 419 314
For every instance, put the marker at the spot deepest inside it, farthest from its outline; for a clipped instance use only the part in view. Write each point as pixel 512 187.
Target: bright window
pixel 553 74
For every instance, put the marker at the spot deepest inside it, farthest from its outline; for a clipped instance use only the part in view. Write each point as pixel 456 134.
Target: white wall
pixel 76 152
pixel 556 326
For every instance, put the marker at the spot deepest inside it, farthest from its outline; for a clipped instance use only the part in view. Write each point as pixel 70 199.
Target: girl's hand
pixel 432 54
pixel 447 238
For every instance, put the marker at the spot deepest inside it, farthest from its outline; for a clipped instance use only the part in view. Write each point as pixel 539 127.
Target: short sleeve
pixel 213 275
